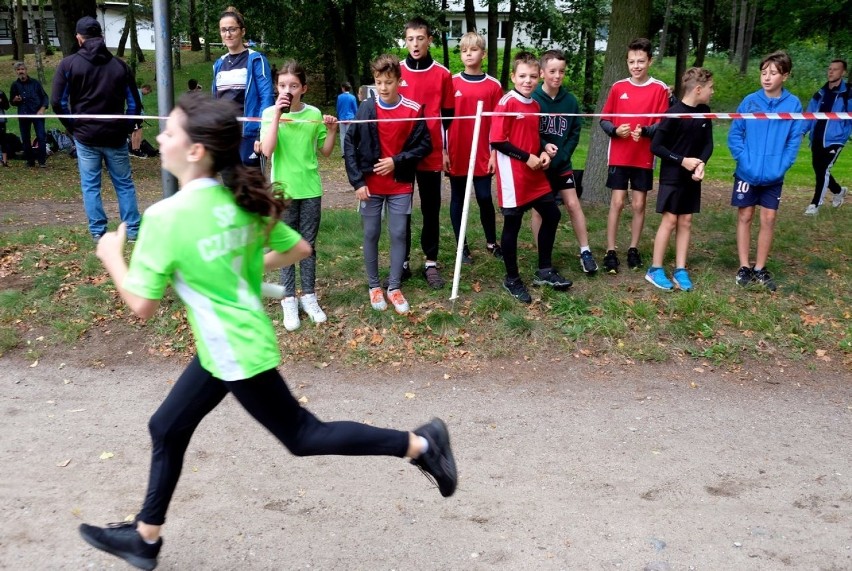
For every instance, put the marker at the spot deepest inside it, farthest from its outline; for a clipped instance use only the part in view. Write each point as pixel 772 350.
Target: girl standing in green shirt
pixel 292 146
pixel 216 263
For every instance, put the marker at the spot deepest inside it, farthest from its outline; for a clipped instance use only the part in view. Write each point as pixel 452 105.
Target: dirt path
pixel 563 465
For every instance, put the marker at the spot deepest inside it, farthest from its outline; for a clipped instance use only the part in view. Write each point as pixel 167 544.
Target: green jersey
pixel 211 251
pixel 294 160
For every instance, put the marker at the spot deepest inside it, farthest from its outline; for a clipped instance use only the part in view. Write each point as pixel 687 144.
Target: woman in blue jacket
pixel 243 76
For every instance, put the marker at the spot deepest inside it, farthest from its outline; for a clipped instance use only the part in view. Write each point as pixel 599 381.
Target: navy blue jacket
pixel 33 95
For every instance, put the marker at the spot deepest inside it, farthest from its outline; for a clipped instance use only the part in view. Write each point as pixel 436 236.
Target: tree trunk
pixel 664 33
pixel 13 33
pixel 732 40
pixel 194 40
pixel 507 44
pixel 707 13
pixel 136 54
pixel 19 30
pixel 470 15
pixel 176 27
pixel 36 41
pixel 67 12
pixel 444 45
pixel 680 61
pixel 343 31
pixel 207 39
pixel 741 27
pixel 122 41
pixel 45 38
pixel 752 14
pixel 630 19
pixel 589 67
pixel 493 32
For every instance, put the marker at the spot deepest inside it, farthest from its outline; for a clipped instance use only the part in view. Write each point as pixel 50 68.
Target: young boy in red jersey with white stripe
pixel 431 85
pixel 381 160
pixel 631 163
pixel 471 86
pixel 521 183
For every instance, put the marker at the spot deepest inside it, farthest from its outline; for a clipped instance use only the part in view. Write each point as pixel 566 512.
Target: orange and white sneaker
pixel 377 299
pixel 400 304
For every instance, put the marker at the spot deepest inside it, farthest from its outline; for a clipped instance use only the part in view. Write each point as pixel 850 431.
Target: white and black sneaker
pixel 122 540
pixel 551 277
pixel 587 262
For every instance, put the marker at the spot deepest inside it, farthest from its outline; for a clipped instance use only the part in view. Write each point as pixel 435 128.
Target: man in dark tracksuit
pixel 94 82
pixel 828 137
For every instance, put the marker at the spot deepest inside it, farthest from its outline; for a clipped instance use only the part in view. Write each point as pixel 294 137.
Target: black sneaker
pixel 467 259
pixel 433 277
pixel 634 260
pixel 745 276
pixel 518 290
pixel 495 250
pixel 588 263
pixel 551 277
pixel 438 463
pixel 763 278
pixel 122 540
pixel 611 262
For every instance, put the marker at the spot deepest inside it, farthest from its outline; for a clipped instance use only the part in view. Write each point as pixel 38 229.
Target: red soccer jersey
pixel 392 137
pixel 627 97
pixel 459 137
pixel 433 89
pixel 517 183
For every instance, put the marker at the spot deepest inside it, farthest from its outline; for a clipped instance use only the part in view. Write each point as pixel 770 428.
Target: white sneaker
pixel 291 313
pixel 837 200
pixel 400 304
pixel 377 299
pixel 811 210
pixel 311 307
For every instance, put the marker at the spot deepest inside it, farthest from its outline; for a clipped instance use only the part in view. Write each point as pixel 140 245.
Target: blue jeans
pixel 41 137
pixel 89 161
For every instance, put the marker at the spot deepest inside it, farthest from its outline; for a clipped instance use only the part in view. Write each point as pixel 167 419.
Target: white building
pixel 111 15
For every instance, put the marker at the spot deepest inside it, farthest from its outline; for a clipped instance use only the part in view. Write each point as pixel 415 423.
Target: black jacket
pixel 361 148
pixel 93 81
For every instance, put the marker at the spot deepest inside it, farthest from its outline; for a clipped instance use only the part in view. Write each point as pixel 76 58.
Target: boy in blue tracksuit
pixel 828 137
pixel 764 149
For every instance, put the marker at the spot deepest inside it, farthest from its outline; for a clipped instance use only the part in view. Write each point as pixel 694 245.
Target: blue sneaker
pixel 681 279
pixel 657 277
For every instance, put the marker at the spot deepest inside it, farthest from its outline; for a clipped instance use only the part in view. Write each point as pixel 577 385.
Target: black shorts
pixel 520 210
pixel 641 180
pixel 677 199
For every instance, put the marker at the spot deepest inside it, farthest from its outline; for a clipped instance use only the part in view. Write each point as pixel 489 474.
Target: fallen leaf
pixel 34 364
pixel 63 463
pixel 409 395
pixel 446 376
pixel 303 399
pixel 821 352
pixel 106 455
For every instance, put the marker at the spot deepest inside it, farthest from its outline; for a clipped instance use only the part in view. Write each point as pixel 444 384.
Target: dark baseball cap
pixel 89 27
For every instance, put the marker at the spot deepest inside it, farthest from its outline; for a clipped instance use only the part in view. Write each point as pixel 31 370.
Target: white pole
pixel 467 188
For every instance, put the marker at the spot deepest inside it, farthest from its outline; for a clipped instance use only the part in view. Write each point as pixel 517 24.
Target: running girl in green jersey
pixel 208 242
pixel 292 145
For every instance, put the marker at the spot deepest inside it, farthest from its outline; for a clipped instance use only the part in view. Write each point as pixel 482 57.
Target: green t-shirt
pixel 294 160
pixel 211 251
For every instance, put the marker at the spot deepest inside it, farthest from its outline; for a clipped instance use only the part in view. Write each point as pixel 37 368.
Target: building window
pixel 504 30
pixel 454 29
pixel 5 32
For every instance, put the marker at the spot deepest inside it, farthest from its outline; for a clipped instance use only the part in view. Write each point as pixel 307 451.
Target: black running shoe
pixel 122 540
pixel 763 278
pixel 438 463
pixel 745 276
pixel 611 262
pixel 587 262
pixel 518 290
pixel 551 277
pixel 467 259
pixel 634 260
pixel 495 250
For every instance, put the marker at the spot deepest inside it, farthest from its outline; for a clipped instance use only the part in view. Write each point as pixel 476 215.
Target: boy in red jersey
pixel 521 183
pixel 381 159
pixel 631 163
pixel 431 85
pixel 471 86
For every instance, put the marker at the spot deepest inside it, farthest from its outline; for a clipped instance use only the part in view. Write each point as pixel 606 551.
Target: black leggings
pixel 429 189
pixel 512 219
pixel 822 159
pixel 267 398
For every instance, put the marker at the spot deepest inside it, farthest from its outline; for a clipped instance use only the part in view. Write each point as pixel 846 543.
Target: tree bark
pixel 732 40
pixel 444 45
pixel 741 27
pixel 507 44
pixel 680 60
pixel 136 54
pixel 630 19
pixel 470 15
pixel 122 41
pixel 66 13
pixel 343 30
pixel 664 34
pixel 748 36
pixel 36 41
pixel 45 38
pixel 20 41
pixel 493 32
pixel 589 66
pixel 194 39
pixel 709 9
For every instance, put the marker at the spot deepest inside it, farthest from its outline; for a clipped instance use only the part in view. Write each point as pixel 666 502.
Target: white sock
pixel 585 249
pixel 424 445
